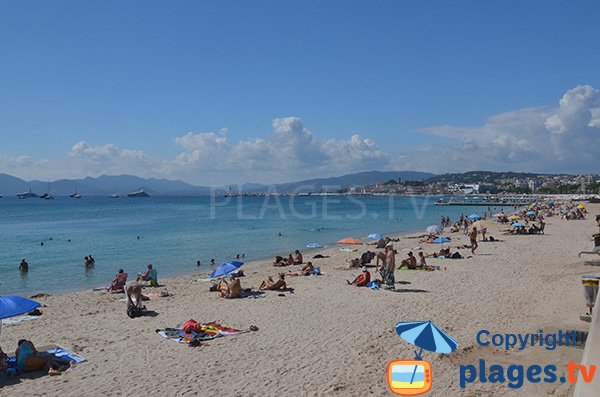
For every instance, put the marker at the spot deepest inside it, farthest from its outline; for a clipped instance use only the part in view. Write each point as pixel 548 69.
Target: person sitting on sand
pixel 279 261
pixel 3 362
pixel 24 266
pixel 305 271
pixel 410 262
pixel 422 262
pixel 133 291
pixel 270 285
pixel 151 275
pixel 231 289
pixel 30 360
pixel 363 279
pixel 298 260
pixel 118 283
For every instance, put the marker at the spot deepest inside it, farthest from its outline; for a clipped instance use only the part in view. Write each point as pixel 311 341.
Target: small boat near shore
pixel 75 195
pixel 29 194
pixel 115 195
pixel 139 193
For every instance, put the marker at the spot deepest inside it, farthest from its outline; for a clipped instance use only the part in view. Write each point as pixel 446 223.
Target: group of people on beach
pixel 296 259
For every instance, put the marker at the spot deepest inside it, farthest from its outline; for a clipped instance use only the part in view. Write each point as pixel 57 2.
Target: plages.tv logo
pixel 414 377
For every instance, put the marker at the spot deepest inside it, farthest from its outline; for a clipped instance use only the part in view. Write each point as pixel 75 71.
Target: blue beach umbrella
pixel 441 240
pixel 11 306
pixel 225 268
pixel 474 217
pixel 375 236
pixel 426 335
pixel 517 224
pixel 530 213
pixel 313 245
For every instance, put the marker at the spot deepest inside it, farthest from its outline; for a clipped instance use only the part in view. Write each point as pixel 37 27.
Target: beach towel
pixel 205 331
pixel 16 320
pixel 56 350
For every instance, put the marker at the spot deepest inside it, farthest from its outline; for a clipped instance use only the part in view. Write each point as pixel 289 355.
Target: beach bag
pixel 134 312
pixel 191 326
pixel 316 271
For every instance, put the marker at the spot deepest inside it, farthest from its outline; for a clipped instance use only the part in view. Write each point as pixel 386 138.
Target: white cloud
pixel 563 138
pixel 290 151
pixel 542 139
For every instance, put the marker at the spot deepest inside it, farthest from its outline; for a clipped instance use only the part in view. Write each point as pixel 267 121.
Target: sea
pixel 174 233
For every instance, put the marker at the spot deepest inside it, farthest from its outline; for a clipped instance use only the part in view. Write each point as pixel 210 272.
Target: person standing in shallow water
pixel 24 266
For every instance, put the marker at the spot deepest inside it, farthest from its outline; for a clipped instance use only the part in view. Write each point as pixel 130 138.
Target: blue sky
pixel 175 89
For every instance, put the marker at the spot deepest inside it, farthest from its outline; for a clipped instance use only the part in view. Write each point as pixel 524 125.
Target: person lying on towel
pixel 30 360
pixel 305 271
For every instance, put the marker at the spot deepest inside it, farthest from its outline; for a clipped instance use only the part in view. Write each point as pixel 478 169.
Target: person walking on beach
pixel 473 237
pixel 24 266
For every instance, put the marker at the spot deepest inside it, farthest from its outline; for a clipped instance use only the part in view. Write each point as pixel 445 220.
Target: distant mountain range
pixel 106 185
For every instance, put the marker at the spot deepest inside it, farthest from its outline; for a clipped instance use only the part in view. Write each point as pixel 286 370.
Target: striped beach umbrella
pixel 426 335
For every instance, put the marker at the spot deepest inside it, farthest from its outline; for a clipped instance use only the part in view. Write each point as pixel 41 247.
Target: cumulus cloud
pixel 564 138
pixel 290 151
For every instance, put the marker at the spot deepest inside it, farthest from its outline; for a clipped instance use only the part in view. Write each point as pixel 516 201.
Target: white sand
pixel 327 338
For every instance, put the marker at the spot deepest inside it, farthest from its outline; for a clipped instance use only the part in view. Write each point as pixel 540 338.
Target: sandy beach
pixel 326 338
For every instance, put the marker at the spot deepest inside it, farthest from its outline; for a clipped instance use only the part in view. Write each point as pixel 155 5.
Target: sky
pixel 272 91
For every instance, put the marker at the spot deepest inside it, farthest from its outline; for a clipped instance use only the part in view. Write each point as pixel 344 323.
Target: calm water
pixel 175 232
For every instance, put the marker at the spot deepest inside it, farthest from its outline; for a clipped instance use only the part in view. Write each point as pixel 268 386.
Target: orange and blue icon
pixel 413 377
pixel 409 377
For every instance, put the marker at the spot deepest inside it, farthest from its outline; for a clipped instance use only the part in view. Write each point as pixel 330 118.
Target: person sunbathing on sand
pixel 231 289
pixel 363 279
pixel 270 285
pixel 429 239
pixel 422 262
pixel 305 271
pixel 410 262
pixel 30 360
pixel 298 258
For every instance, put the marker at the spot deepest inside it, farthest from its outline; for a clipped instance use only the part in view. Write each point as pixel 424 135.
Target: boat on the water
pixel 47 196
pixel 139 193
pixel 25 195
pixel 75 195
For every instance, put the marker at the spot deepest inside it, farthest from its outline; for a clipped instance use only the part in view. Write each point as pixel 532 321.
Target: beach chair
pixel 596 250
pixel 118 285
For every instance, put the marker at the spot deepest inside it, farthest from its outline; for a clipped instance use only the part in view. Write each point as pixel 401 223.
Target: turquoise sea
pixel 175 232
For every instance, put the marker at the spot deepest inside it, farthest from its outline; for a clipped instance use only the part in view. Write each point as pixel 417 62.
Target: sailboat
pixel 75 195
pixel 47 195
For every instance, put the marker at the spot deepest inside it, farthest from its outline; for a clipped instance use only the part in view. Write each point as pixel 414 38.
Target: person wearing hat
pixel 363 279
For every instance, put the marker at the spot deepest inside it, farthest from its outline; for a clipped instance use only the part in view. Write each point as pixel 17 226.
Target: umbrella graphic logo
pixel 414 377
